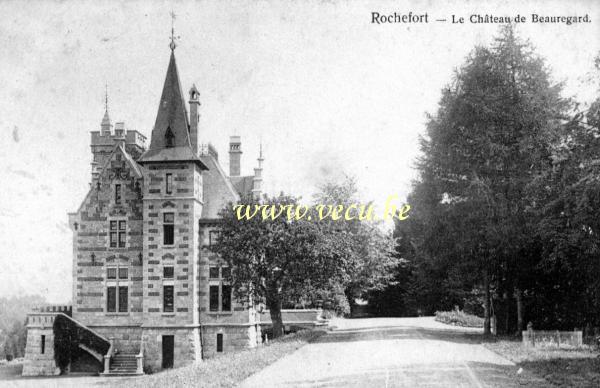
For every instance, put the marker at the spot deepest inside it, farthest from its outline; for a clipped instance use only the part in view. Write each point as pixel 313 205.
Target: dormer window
pixel 169 138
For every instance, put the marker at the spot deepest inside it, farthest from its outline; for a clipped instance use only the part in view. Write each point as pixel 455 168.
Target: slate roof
pixel 218 189
pixel 174 154
pixel 243 184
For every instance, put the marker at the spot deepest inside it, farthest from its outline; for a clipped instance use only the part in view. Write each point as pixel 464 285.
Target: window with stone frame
pixel 117 233
pixel 168 228
pixel 169 183
pixel 220 290
pixel 213 236
pixel 168 298
pixel 219 342
pixel 117 289
pixel 168 289
pixel 117 193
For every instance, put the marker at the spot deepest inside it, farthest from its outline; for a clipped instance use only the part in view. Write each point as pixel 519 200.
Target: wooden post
pixel 530 333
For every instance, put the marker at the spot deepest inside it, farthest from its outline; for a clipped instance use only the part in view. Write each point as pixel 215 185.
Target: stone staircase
pixel 123 364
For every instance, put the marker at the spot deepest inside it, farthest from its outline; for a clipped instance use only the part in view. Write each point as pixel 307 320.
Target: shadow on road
pixel 472 374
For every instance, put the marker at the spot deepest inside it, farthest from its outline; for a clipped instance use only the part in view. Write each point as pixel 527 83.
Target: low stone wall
pixel 539 338
pixel 235 337
pixel 306 318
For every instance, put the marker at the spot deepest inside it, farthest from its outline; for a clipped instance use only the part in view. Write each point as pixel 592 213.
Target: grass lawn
pixel 225 370
pixel 559 367
pixel 11 370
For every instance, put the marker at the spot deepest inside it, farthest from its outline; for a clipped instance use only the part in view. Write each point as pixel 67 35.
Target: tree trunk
pixel 486 306
pixel 350 298
pixel 519 298
pixel 274 305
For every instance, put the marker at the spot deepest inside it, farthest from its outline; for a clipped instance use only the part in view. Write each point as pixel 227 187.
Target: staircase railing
pixel 69 332
pixel 108 356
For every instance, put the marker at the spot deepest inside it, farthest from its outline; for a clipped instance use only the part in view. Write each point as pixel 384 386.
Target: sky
pixel 327 92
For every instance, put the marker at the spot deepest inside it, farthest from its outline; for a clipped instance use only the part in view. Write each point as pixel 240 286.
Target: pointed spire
pixel 260 155
pixel 106 125
pixel 171 133
pixel 172 112
pixel 106 118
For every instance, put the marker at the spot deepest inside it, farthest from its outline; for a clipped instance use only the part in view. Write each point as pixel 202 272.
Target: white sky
pixel 327 91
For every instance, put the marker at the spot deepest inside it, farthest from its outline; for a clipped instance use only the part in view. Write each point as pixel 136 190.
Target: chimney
pixel 194 117
pixel 235 155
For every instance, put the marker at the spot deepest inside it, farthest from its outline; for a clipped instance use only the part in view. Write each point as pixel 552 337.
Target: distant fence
pixel 540 338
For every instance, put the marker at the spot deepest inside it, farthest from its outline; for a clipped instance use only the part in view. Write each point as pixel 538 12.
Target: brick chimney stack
pixel 235 156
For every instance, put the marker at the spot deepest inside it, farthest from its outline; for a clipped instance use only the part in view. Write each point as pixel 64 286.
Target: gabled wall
pixel 92 254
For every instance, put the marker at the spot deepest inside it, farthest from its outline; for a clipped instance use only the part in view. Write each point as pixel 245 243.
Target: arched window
pixel 169 138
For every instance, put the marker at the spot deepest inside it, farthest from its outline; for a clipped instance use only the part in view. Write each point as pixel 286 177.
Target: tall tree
pixel 277 259
pixel 373 259
pixel 492 135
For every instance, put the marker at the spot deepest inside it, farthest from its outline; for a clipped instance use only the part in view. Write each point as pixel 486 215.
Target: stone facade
pixel 141 245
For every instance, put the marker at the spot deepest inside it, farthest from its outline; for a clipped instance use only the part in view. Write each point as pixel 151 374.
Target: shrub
pixel 458 318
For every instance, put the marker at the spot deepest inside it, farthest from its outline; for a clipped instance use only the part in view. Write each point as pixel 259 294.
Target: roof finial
pixel 260 155
pixel 106 96
pixel 172 45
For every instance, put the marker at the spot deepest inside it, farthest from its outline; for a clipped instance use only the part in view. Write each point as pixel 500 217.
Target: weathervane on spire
pixel 172 45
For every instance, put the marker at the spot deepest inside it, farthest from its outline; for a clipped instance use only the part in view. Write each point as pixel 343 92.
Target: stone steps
pixel 123 364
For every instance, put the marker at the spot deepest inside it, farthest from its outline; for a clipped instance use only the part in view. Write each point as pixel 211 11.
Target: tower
pixel 172 206
pixel 103 141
